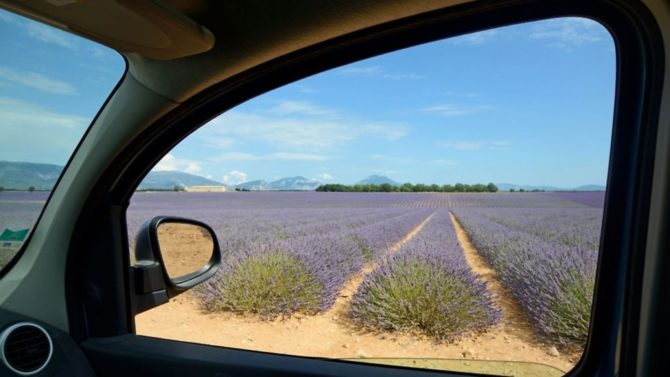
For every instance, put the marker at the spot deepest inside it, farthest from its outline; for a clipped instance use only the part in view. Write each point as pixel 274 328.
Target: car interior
pixel 74 290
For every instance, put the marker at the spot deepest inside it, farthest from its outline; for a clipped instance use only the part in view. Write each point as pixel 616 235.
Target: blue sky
pixel 527 104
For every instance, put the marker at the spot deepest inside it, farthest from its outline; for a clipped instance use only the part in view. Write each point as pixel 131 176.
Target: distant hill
pixel 285 184
pixel 590 188
pixel 378 180
pixel 258 185
pixel 23 175
pixel 168 179
pixel 295 183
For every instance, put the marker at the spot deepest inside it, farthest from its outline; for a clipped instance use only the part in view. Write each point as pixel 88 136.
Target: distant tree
pixel 447 188
pixel 2 188
pixel 478 187
pixel 521 190
pixel 385 187
pixel 177 188
pixel 31 188
pixel 511 190
pixel 420 187
pixel 406 187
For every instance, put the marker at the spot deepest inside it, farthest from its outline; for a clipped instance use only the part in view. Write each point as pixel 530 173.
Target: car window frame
pixel 638 87
pixel 12 262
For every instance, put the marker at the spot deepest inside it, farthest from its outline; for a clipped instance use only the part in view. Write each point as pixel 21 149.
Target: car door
pixel 85 292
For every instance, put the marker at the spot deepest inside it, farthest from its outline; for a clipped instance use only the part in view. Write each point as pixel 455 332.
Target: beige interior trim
pixel 149 28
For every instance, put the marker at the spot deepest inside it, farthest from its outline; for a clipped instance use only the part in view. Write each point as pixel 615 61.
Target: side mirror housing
pixel 172 255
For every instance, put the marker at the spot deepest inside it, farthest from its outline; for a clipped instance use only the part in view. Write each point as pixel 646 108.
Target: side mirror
pixel 172 255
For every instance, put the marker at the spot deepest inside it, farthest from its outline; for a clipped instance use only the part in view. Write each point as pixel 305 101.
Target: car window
pixel 436 207
pixel 52 84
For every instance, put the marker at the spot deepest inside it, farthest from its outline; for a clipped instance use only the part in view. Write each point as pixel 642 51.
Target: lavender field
pixel 289 253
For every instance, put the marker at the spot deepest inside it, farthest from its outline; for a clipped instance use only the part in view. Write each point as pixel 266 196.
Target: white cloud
pixel 285 156
pixel 461 94
pixel 377 70
pixel 171 163
pixel 28 116
pixel 36 80
pixel 567 32
pixel 302 126
pixel 300 107
pixel 404 76
pixel 452 109
pixel 475 38
pixel 50 34
pixel 444 162
pixel 235 177
pixel 475 145
pixel 34 133
pixel 218 141
pixel 296 157
pixel 324 177
pixel 305 89
pixel 361 70
pixel 394 159
pixel 235 156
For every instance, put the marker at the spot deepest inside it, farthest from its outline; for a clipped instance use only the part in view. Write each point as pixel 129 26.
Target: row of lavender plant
pixel 551 280
pixel 278 276
pixel 425 286
pixel 579 227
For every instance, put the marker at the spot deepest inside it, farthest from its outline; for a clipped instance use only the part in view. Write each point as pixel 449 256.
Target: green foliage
pixel 572 310
pixel 419 295
pixel 269 285
pixel 31 188
pixel 408 187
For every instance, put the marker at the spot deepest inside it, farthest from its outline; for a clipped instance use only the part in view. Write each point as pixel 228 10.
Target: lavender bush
pixel 553 281
pixel 426 286
pixel 297 265
pixel 267 284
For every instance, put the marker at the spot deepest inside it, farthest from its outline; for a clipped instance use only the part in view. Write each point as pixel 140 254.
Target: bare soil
pixel 185 248
pixel 330 334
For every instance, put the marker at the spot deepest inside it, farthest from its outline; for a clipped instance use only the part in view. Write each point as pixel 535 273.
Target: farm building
pixel 206 189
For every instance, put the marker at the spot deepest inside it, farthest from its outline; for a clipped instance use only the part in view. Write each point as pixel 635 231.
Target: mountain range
pixel 378 180
pixel 169 179
pixel 23 175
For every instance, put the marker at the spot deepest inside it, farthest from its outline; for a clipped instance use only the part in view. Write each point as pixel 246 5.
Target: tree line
pixel 408 187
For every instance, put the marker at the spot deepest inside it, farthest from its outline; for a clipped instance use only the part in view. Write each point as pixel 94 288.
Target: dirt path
pixel 513 319
pixel 330 335
pixel 341 304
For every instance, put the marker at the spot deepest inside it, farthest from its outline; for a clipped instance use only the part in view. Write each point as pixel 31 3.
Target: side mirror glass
pixel 172 255
pixel 185 248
